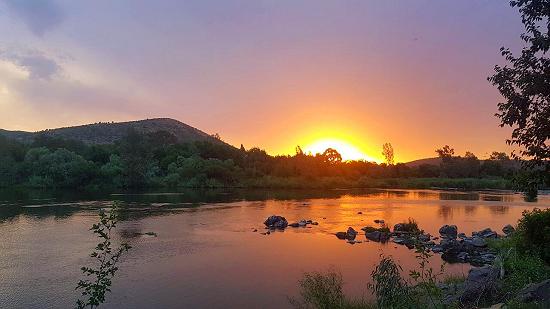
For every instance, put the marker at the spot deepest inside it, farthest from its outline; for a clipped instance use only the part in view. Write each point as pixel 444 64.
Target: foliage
pixel 387 152
pixel 524 86
pixel 410 226
pixel 324 291
pixel 390 289
pixel 533 232
pixel 157 159
pixel 99 277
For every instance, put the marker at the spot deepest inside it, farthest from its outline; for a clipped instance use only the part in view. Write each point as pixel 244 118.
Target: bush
pixel 324 291
pixel 533 233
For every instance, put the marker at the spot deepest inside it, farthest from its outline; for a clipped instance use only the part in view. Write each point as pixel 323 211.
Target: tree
pixel 445 152
pixel 387 152
pixel 331 156
pixel 525 86
pixel 499 156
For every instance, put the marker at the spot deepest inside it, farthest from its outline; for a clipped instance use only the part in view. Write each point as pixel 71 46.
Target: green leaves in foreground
pixel 99 277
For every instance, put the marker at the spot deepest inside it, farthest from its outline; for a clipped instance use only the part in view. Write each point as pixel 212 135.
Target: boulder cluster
pixel 280 223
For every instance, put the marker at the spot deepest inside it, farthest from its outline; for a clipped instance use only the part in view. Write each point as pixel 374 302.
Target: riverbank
pixel 513 272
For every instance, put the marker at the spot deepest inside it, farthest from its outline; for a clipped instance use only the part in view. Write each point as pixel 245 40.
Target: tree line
pixel 158 160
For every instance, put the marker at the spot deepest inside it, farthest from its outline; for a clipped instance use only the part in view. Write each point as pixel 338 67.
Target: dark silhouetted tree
pixel 387 152
pixel 331 156
pixel 525 85
pixel 445 152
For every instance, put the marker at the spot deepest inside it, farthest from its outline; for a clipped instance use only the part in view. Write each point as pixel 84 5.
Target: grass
pixel 410 226
pixel 324 291
pixel 454 279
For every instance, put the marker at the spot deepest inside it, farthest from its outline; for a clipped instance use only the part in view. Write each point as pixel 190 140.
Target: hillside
pixel 110 132
pixel 429 161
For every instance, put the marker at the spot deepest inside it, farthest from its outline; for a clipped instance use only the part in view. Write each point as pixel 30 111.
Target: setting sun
pixel 347 150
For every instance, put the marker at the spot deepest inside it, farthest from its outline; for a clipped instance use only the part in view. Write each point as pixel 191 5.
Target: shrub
pixel 534 233
pixel 390 289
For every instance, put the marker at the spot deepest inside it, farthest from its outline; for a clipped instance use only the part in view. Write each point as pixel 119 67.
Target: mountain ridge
pixel 110 132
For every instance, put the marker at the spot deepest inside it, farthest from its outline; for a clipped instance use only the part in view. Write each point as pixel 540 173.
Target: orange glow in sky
pixel 347 150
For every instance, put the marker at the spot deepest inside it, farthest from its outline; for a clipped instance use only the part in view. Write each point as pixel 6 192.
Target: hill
pixel 429 161
pixel 110 132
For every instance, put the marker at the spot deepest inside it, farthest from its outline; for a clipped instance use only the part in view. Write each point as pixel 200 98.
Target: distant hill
pixel 110 132
pixel 429 161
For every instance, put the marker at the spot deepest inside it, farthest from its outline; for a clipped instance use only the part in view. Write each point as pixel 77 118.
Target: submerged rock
pixel 276 222
pixel 448 231
pixel 379 221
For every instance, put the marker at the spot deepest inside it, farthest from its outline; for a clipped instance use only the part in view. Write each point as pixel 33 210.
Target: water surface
pixel 207 254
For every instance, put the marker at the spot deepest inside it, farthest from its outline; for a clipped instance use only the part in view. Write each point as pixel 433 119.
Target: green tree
pixel 524 84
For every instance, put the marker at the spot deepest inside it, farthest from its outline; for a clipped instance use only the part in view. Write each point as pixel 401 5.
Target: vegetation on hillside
pixel 157 159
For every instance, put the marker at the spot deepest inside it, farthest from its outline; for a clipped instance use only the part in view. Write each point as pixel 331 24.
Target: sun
pixel 347 150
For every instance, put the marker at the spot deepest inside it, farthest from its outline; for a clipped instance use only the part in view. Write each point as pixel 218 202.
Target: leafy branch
pixel 99 277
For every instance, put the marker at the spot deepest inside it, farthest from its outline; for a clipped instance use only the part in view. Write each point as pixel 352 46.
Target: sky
pixel 272 74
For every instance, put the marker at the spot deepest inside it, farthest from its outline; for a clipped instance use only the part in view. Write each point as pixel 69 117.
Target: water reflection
pixel 207 253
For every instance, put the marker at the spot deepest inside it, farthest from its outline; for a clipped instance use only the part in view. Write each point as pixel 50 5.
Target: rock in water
pixel 508 229
pixel 479 242
pixel 448 231
pixel 481 283
pixel 374 236
pixel 341 235
pixel 399 227
pixel 276 222
pixel 351 233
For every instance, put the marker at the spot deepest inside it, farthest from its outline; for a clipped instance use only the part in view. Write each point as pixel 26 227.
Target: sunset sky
pixel 273 74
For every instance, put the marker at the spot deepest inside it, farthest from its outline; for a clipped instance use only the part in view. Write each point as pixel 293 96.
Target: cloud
pixel 35 63
pixel 39 15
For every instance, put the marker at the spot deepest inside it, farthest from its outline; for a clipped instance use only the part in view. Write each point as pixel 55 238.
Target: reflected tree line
pixel 158 160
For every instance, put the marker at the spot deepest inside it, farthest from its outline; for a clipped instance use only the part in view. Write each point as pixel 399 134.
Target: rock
pixel 437 249
pixel 374 236
pixel 448 231
pixel 341 235
pixel 463 256
pixel 276 222
pixel 399 227
pixel 424 238
pixel 359 212
pixel 508 229
pixel 479 242
pixel 461 235
pixel 378 221
pixel 351 241
pixel 538 292
pixel 486 233
pixel 302 223
pixel 351 233
pixel 295 224
pixel 480 283
pixel 255 230
pixel 314 223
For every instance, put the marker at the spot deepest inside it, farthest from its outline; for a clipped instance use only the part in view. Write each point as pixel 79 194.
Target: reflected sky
pixel 207 253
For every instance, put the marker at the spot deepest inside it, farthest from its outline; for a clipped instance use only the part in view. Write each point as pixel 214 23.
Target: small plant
pixel 99 277
pixel 426 278
pixel 321 290
pixel 390 289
